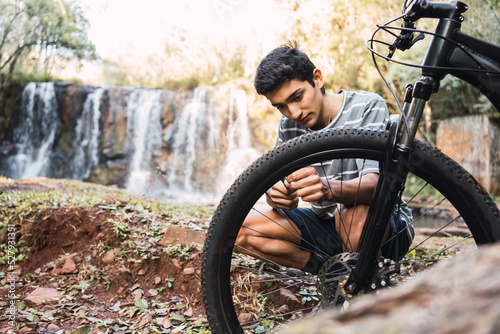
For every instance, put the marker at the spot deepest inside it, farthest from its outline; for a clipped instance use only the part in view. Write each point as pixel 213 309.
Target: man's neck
pixel 331 108
pixel 337 104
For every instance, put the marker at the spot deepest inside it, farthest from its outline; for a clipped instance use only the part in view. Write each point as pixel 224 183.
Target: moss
pixel 9 99
pixel 185 84
pixel 65 142
pixel 100 175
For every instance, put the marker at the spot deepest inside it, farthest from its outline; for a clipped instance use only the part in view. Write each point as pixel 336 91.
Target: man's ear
pixel 318 78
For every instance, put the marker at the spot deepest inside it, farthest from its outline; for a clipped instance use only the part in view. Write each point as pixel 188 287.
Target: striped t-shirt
pixel 358 109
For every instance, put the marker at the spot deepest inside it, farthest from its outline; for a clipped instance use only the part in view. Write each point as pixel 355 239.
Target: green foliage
pixel 188 83
pixel 180 251
pixel 35 34
pixel 308 295
pixel 416 185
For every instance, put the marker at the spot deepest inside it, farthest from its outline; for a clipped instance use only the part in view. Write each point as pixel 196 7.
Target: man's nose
pixel 295 111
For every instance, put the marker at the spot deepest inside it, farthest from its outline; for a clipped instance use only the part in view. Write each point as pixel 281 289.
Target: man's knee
pixel 243 239
pixel 248 233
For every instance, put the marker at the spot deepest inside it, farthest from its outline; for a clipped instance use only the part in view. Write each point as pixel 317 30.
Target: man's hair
pixel 281 65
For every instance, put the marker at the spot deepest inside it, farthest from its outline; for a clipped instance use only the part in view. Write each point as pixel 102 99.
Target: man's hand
pixel 308 186
pixel 282 197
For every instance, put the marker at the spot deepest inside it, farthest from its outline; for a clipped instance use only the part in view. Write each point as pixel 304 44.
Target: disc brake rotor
pixel 332 278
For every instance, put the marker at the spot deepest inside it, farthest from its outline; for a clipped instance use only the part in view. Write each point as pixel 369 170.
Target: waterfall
pixel 86 141
pixel 144 127
pixel 34 137
pixel 148 141
pixel 194 148
pixel 185 140
pixel 239 153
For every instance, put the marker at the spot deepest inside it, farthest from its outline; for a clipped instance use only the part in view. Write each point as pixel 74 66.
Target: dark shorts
pixel 318 233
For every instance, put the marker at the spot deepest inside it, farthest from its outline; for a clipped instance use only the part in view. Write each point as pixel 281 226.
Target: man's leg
pixel 349 222
pixel 272 237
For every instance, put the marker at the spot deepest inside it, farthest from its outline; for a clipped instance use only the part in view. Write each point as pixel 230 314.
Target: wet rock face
pixel 172 142
pixel 69 102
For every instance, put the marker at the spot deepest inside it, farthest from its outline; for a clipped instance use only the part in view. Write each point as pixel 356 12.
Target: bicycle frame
pixel 450 52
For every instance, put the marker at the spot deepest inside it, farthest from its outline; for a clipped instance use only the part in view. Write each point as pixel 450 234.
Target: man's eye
pixel 298 97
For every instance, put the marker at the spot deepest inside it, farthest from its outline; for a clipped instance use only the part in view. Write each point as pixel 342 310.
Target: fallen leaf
pixel 179 329
pixel 146 319
pixel 166 323
pixel 289 295
pixel 82 330
pixel 141 303
pixel 189 312
pixel 178 317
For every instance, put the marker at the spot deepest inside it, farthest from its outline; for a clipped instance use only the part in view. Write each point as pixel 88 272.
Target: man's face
pixel 299 101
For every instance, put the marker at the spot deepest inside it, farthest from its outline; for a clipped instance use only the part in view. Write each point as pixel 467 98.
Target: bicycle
pixel 244 294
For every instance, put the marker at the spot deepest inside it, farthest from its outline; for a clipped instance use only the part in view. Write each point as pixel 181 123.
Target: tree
pixel 334 33
pixel 45 29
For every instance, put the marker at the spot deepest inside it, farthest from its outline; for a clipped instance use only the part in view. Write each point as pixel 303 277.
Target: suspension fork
pixel 393 173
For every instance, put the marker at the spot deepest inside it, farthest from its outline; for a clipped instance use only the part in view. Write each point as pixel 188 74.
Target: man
pixel 305 238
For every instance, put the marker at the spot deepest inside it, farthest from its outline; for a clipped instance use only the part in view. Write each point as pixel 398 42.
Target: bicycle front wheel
pixel 252 294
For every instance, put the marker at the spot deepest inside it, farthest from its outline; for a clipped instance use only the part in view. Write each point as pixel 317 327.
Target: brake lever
pixel 404 42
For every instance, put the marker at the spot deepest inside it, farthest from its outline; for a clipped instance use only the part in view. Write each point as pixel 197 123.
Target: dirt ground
pixel 111 273
pixel 103 255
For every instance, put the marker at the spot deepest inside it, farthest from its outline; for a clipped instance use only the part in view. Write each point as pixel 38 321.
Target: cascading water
pixel 34 137
pixel 195 136
pixel 144 127
pixel 120 134
pixel 239 153
pixel 86 141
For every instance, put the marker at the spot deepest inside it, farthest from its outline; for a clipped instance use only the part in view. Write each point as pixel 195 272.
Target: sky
pixel 120 27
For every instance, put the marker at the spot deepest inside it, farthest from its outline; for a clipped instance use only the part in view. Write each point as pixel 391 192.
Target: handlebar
pixel 417 9
pixel 414 10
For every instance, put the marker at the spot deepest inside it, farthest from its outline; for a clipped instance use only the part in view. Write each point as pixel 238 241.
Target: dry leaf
pixel 146 319
pixel 166 322
pixel 189 312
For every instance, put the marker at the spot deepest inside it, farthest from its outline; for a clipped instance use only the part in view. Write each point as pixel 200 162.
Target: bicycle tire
pixel 467 196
